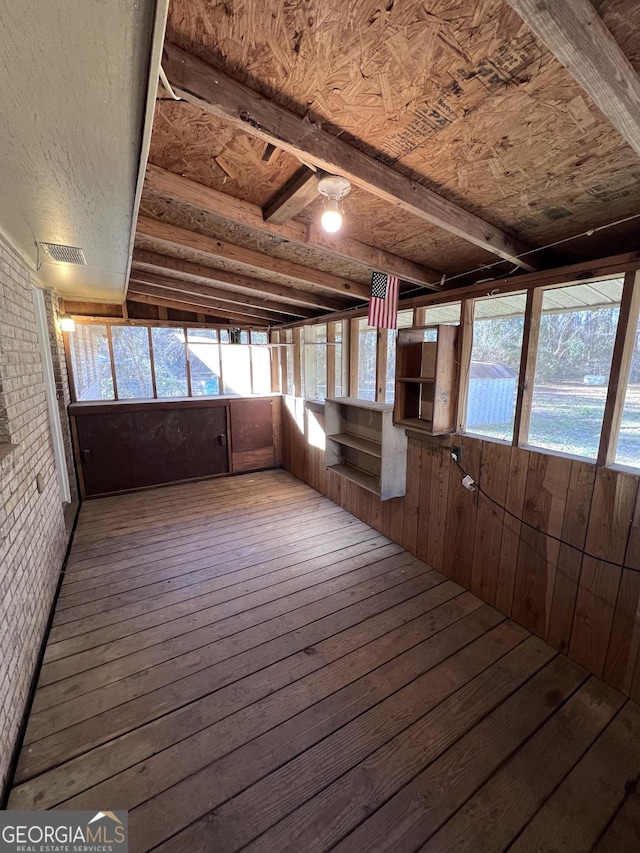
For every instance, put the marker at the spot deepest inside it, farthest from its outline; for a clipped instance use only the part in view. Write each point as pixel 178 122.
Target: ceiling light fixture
pixel 334 188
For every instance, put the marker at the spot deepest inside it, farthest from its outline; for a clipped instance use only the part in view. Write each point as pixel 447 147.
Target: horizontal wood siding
pixel 584 606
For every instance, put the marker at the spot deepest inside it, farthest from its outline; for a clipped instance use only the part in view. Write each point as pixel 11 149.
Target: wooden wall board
pixel 583 606
pixel 494 476
pixel 574 531
pixel 463 507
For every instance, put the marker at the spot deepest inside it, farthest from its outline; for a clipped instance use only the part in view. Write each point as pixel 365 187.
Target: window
pixel 367 340
pixel 337 348
pixel 236 369
pixel 261 368
pixel 498 327
pixel 628 449
pixel 91 363
pixel 315 362
pixel 289 355
pixel 204 362
pixel 577 333
pixel 169 362
pixel 165 362
pixel 405 319
pixel 132 362
pixel 436 314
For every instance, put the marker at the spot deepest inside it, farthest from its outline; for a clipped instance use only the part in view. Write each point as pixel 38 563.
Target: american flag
pixel 383 305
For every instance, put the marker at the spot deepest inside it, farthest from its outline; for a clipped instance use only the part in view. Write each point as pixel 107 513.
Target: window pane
pixel 390 393
pixel 289 355
pixel 367 339
pixel 236 369
pixel 259 338
pixel 449 313
pixel 202 335
pixel 170 362
pixel 405 319
pixel 204 362
pixel 495 362
pixel 338 358
pixel 244 336
pixel 261 369
pixel 132 362
pixel 577 333
pixel 224 336
pixel 91 363
pixel 315 362
pixel 628 452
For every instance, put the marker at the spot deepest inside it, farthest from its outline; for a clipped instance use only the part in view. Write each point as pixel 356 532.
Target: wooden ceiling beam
pixel 217 93
pixel 171 235
pixel 178 305
pixel 299 192
pixel 241 212
pixel 255 300
pixel 224 308
pixel 577 36
pixel 178 268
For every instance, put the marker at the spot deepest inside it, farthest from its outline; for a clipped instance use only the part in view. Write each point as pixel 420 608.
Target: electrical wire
pixel 537 529
pixel 588 233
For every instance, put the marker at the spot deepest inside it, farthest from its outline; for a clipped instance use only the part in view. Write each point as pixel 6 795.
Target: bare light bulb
pixel 331 219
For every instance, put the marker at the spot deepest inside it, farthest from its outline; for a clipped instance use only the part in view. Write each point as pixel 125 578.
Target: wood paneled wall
pixel 582 605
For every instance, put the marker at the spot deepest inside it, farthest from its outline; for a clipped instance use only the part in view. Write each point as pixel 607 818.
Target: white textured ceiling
pixel 74 77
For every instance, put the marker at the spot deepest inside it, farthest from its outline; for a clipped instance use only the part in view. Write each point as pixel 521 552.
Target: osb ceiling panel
pixel 460 96
pixel 199 146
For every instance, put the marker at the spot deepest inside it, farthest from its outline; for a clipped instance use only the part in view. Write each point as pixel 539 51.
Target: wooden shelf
pixel 426 369
pixel 366 445
pixel 357 475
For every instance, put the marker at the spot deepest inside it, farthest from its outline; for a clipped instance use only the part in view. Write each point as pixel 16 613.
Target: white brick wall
pixel 32 530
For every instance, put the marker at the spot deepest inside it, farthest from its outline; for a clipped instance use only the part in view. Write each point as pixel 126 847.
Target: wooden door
pixel 195 442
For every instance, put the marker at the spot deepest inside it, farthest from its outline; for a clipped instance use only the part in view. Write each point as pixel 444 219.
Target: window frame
pixel 110 322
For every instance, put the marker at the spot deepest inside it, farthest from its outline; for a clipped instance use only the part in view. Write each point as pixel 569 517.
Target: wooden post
pixel 530 337
pixel 113 364
pixel 465 344
pixel 382 341
pixel 620 368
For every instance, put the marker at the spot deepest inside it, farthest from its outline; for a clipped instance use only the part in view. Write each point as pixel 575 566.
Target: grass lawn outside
pixel 568 418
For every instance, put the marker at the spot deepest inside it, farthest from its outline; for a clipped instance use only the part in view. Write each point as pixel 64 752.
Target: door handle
pixel 86 456
pixel 222 438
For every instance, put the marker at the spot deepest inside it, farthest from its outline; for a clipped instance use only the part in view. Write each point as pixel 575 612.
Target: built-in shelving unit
pixel 426 379
pixel 363 445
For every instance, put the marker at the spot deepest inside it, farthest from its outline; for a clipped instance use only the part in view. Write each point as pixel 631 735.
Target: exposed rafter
pixel 170 235
pixel 225 309
pixel 234 298
pixel 244 213
pixel 179 305
pixel 298 192
pixel 180 269
pixel 577 36
pixel 220 95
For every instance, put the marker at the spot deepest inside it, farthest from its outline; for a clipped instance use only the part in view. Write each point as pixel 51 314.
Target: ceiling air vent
pixel 64 254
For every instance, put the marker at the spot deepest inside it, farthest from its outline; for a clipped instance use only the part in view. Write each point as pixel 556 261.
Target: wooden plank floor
pixel 243 665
